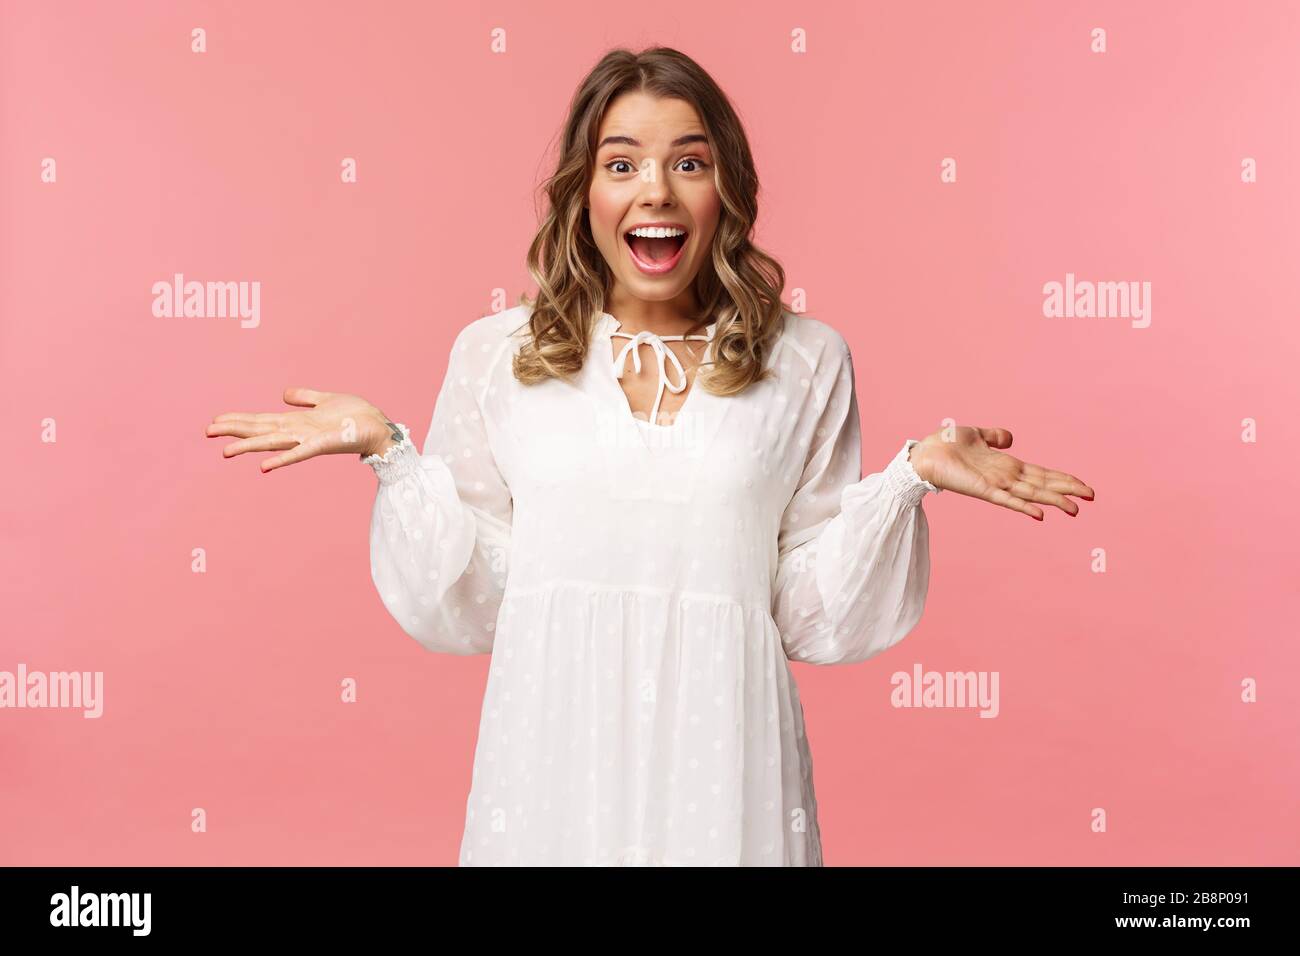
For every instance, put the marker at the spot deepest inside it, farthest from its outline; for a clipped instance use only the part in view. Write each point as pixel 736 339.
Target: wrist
pixel 918 456
pixel 389 438
pixel 381 449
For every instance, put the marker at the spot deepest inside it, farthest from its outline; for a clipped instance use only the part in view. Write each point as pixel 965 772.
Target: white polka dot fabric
pixel 641 589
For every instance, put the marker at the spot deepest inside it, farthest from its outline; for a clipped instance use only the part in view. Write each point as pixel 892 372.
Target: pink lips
pixel 655 268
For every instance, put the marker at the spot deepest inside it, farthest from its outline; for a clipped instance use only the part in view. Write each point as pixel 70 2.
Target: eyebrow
pixel 679 141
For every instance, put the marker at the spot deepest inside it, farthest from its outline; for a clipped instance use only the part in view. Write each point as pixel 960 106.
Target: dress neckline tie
pixel 663 355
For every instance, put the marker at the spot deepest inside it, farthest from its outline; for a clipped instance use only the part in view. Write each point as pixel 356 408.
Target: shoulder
pixel 480 346
pixel 816 346
pixel 494 331
pixel 480 351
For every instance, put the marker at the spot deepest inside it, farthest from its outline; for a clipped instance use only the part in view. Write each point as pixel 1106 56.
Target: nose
pixel 655 188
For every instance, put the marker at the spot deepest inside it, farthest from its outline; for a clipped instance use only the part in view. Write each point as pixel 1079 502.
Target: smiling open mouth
pixel 656 250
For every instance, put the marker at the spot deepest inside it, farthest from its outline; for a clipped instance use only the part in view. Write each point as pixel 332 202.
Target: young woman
pixel 641 492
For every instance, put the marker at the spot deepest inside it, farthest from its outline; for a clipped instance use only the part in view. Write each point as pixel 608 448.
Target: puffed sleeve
pixel 853 553
pixel 440 527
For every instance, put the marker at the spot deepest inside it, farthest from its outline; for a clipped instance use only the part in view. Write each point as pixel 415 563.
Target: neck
pixel 672 317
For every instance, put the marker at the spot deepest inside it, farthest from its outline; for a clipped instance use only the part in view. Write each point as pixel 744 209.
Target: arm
pixel 853 553
pixel 440 528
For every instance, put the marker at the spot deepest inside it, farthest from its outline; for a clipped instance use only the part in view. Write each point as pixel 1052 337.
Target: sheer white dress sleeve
pixel 440 528
pixel 854 552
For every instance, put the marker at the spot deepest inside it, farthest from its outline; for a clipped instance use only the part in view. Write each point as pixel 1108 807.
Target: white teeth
pixel 653 233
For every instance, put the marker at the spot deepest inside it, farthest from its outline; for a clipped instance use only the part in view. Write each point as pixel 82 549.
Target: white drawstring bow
pixel 663 354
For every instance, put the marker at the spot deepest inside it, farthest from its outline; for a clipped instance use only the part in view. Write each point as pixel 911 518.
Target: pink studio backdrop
pixel 1119 690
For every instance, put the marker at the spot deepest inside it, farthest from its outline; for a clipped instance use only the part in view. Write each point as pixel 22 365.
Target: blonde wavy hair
pixel 739 285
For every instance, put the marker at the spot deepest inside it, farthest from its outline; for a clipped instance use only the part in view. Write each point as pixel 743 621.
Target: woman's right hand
pixel 329 423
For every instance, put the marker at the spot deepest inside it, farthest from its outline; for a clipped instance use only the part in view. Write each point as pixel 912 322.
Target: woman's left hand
pixel 969 463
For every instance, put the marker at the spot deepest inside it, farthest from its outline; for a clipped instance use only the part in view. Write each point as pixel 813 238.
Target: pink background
pixel 1119 690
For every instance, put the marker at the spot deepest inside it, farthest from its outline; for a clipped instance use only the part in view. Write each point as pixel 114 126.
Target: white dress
pixel 641 588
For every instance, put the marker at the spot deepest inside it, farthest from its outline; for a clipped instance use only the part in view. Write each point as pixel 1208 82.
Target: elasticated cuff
pixel 904 480
pixel 399 461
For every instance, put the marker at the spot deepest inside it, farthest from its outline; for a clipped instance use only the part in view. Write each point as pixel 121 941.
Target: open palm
pixel 326 423
pixel 967 460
